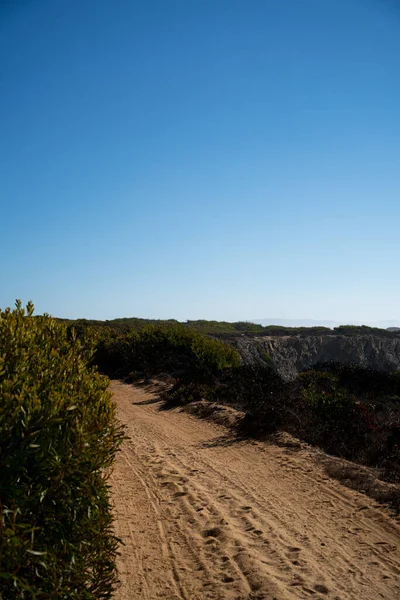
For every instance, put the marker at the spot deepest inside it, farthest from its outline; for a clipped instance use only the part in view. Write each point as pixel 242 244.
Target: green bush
pixel 258 391
pixel 176 350
pixel 58 435
pixel 334 420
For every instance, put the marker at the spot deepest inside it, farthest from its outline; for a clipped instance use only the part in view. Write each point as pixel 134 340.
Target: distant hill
pixel 390 325
pixel 297 322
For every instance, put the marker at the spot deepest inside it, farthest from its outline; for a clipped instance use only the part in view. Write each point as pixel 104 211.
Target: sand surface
pixel 205 517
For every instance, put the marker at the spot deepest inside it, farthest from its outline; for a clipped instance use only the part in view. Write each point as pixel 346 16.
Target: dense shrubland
pixel 58 435
pixel 355 413
pixel 155 349
pixel 227 329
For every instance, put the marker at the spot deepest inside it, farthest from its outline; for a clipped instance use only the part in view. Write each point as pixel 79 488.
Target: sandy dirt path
pixel 205 518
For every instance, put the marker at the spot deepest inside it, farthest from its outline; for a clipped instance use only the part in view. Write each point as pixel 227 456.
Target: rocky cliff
pixel 292 354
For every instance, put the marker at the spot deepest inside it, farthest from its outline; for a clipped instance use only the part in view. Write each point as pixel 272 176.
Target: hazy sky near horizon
pixel 201 159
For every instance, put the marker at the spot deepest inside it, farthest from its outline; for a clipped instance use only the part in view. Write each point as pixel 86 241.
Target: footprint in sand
pixel 212 532
pixel 322 589
pixel 180 494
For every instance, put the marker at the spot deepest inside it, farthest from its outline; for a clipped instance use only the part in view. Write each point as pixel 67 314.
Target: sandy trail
pixel 204 518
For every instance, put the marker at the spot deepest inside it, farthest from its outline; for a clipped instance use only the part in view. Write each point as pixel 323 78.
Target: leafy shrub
pixel 58 434
pixel 115 353
pixel 362 381
pixel 176 350
pixel 257 390
pixel 336 422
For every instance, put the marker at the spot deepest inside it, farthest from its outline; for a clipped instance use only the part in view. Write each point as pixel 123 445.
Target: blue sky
pixel 201 159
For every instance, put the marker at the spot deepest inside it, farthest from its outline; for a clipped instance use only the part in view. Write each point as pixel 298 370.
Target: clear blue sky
pixel 201 158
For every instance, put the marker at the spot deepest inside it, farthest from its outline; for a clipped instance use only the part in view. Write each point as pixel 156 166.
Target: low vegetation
pixel 226 329
pixel 58 437
pixel 182 353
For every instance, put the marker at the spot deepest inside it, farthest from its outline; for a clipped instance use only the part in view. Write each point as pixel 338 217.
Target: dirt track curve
pixel 204 518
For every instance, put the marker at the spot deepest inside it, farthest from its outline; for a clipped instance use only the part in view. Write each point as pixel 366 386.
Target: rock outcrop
pixel 291 354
